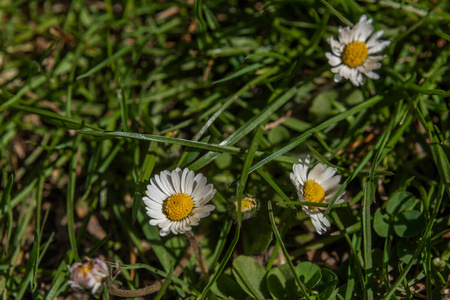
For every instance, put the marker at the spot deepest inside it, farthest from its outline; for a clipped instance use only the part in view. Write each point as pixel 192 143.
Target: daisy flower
pixel 89 275
pixel 352 56
pixel 319 186
pixel 177 200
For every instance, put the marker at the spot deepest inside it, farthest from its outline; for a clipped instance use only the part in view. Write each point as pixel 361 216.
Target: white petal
pixel 154 193
pixel 364 31
pixel 362 19
pixel 164 184
pixel 200 181
pixel 207 198
pixel 155 222
pixel 336 46
pixel 333 60
pixel 203 193
pixel 304 169
pixel 189 183
pixel 320 222
pixel 378 47
pixel 166 224
pixel 183 181
pixel 163 232
pixel 331 182
pixel 202 214
pixel 315 221
pixel 176 181
pixel 294 180
pixel 372 75
pixel 345 35
pixel 197 212
pixel 355 77
pixel 152 204
pixel 339 201
pixel 298 170
pixel 337 78
pixel 342 70
pixel 374 39
pixel 325 175
pixel 154 214
pixel 174 228
pixel 372 59
pixel 316 171
pixel 323 220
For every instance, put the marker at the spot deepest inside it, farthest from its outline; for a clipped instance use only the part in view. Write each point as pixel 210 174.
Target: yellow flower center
pixel 87 268
pixel 355 54
pixel 313 192
pixel 178 206
pixel 247 204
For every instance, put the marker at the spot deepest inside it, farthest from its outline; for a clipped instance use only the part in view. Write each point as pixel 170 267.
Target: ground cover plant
pixel 224 149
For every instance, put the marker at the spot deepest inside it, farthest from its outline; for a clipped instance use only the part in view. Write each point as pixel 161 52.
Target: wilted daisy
pixel 352 55
pixel 319 186
pixel 178 200
pixel 89 275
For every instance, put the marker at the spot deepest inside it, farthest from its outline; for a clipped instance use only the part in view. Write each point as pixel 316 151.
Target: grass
pixel 96 98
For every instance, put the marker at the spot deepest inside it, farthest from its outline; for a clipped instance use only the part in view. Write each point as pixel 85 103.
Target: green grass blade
pixel 303 137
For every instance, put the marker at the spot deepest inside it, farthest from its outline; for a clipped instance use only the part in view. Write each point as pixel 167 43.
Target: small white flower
pixel 319 186
pixel 177 200
pixel 353 54
pixel 89 275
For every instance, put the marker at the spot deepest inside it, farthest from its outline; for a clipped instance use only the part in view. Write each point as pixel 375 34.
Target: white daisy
pixel 353 54
pixel 177 200
pixel 319 186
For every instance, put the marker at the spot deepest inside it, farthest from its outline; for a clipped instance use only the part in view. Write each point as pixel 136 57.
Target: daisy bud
pixel 249 207
pixel 88 276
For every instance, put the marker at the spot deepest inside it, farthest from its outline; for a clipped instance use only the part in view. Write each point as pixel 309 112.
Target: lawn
pixel 197 149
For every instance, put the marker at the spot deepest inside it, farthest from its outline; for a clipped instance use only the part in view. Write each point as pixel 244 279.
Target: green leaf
pixel 381 223
pixel 278 134
pixel 223 161
pixel 321 105
pixel 151 233
pixel 309 273
pixel 257 233
pixel 406 249
pixel 327 284
pixel 281 284
pixel 225 286
pixel 408 223
pixel 250 276
pixel 399 202
pixel 354 97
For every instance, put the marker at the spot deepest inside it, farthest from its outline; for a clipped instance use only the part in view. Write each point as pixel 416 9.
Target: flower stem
pixel 198 253
pixel 135 293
